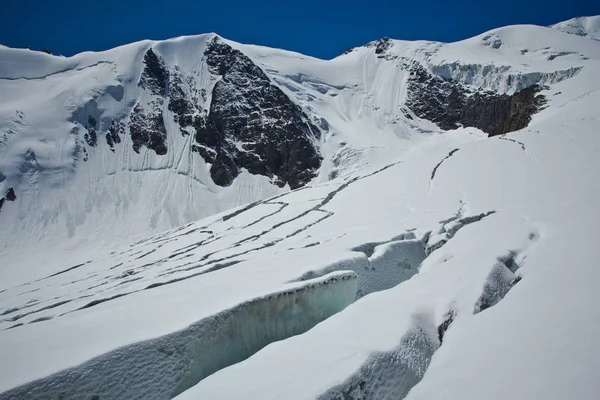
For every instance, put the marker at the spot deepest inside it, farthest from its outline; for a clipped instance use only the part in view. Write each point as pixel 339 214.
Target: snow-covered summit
pixel 581 26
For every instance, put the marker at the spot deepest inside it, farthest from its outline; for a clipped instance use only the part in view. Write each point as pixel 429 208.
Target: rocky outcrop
pixel 382 47
pixel 90 136
pixel 147 128
pixel 147 125
pixel 451 105
pixel 252 124
pixel 185 104
pixel 9 196
pixel 113 136
pixel 518 110
pixel 155 74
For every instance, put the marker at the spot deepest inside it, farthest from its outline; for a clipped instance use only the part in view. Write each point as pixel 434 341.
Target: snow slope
pixel 417 264
pixel 582 26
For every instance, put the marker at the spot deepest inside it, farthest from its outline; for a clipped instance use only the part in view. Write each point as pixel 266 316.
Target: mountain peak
pixel 581 26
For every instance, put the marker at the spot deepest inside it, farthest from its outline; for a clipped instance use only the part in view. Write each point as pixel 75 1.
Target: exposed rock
pixel 206 153
pixel 492 41
pixel 147 125
pixel 90 136
pixel 148 129
pixel 443 327
pixel 11 195
pixel 382 45
pixel 252 124
pixel 523 105
pixel 451 105
pixel 182 104
pixel 381 48
pixel 113 134
pixel 155 74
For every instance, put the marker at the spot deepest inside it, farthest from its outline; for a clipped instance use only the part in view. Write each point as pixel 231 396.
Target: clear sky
pixel 319 28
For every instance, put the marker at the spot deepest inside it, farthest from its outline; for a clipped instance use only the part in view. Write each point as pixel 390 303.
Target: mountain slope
pixel 582 26
pixel 424 259
pixel 151 130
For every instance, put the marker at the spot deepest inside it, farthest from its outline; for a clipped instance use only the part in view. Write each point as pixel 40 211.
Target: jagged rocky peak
pixel 185 104
pixel 147 125
pixel 381 45
pixel 450 104
pixel 155 75
pixel 252 124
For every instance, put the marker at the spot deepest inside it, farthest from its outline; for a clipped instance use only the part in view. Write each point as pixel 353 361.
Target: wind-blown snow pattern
pixel 439 243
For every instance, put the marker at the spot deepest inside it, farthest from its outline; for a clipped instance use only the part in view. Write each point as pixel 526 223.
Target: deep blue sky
pixel 319 28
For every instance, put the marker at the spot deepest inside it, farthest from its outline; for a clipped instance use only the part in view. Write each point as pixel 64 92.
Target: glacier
pixel 418 262
pixel 168 365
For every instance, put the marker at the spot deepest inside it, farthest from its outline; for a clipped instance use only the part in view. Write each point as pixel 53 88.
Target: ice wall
pixel 500 78
pixel 166 366
pixel 391 374
pixel 381 266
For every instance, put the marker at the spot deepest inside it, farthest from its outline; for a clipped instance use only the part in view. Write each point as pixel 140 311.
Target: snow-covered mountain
pixel 582 26
pixel 436 243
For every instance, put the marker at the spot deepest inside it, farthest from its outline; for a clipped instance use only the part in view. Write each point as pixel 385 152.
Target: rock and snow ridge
pixel 416 263
pixel 163 133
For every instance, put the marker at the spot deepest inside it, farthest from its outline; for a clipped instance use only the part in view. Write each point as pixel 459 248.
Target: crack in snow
pixel 440 163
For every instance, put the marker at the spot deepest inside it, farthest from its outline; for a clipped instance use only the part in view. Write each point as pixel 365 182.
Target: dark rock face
pixel 155 75
pixel 184 106
pixel 382 45
pixel 252 124
pixel 91 137
pixel 147 128
pixel 9 196
pixel 523 105
pixel 147 125
pixel 113 135
pixel 381 48
pixel 451 105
